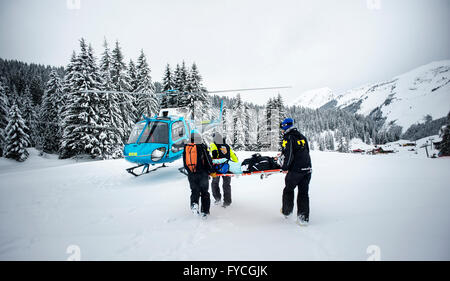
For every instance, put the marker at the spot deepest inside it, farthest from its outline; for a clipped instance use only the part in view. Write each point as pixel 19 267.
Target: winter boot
pixel 204 216
pixel 195 209
pixel 285 216
pixel 302 220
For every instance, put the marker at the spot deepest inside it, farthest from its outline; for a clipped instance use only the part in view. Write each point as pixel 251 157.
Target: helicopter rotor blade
pixel 249 89
pixel 163 93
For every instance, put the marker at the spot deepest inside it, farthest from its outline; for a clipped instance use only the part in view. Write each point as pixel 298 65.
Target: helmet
pixel 287 123
pixel 196 137
pixel 218 138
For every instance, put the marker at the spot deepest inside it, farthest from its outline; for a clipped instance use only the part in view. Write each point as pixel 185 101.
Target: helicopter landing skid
pixel 145 170
pixel 183 171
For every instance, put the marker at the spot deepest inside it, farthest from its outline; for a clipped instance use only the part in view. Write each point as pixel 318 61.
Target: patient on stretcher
pixel 254 164
pixel 232 167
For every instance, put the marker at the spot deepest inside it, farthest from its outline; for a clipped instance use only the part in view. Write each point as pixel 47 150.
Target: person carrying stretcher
pixel 296 161
pixel 219 149
pixel 198 165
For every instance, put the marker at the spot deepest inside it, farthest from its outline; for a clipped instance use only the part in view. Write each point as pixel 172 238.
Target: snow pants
pixel 199 183
pixel 293 180
pixel 226 189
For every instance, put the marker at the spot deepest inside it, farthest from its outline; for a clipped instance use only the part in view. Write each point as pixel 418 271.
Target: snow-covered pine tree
pixel 238 124
pixel 178 79
pixel 16 137
pixel 105 68
pixel 147 103
pixel 273 124
pixel 343 145
pixel 111 113
pixel 251 121
pixel 167 85
pixel 29 115
pixel 48 115
pixel 121 83
pixel 198 94
pixel 168 79
pixel 279 106
pixel 184 72
pixel 82 121
pixel 119 75
pixel 322 144
pixel 329 139
pixel 261 138
pixel 133 74
pixel 3 115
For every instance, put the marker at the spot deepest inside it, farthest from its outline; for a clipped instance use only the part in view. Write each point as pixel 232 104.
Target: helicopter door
pixel 179 138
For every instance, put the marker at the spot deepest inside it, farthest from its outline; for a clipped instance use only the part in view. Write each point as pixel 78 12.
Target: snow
pixel 315 98
pixel 399 203
pixel 357 143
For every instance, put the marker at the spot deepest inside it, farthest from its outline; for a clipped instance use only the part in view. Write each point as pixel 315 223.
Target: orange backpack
pixel 191 157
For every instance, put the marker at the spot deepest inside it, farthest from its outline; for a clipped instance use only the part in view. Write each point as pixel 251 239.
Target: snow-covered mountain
pixel 315 98
pixel 403 100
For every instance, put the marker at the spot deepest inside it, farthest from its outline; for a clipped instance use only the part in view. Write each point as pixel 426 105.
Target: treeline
pixel 428 128
pixel 20 77
pixel 256 128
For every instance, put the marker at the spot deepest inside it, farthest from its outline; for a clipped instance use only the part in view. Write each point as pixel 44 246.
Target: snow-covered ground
pixel 400 204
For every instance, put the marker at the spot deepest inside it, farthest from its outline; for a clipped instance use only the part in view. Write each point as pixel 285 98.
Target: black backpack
pixel 260 163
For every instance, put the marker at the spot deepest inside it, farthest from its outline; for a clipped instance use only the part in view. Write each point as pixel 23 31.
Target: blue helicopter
pixel 161 139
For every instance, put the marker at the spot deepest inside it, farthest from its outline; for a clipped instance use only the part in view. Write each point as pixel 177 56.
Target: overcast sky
pixel 239 44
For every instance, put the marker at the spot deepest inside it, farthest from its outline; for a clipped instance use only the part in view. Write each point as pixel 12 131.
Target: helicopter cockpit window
pixel 136 132
pixel 177 130
pixel 155 132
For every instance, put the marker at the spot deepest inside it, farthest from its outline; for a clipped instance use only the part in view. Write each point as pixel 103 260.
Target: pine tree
pixel 179 83
pixel 279 106
pixel 105 68
pixel 111 113
pixel 29 115
pixel 132 73
pixel 49 114
pixel 3 115
pixel 82 120
pixel 16 137
pixel 184 75
pixel 168 79
pixel 261 138
pixel 121 83
pixel 239 124
pixel 147 102
pixel 193 80
pixel 119 75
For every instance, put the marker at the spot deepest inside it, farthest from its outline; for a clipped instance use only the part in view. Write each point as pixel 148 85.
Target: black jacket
pixel 295 149
pixel 204 161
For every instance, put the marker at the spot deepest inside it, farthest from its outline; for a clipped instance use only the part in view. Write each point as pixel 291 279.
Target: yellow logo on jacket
pixel 224 150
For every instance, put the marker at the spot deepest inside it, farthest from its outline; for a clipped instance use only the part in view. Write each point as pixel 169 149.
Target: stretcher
pixel 262 174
